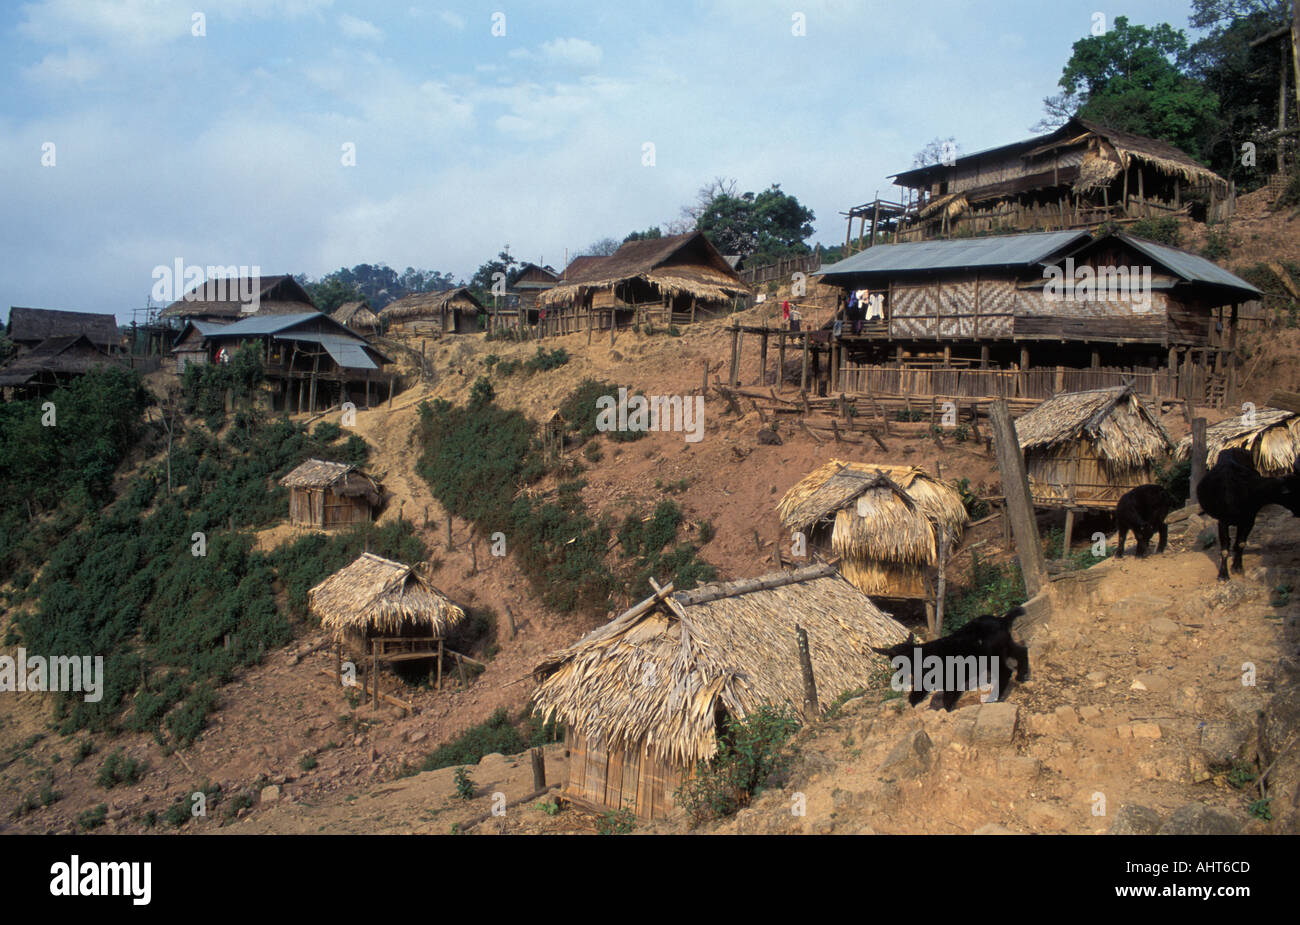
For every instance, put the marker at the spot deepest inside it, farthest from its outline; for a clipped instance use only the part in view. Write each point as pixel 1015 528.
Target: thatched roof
pixel 381 595
pixel 660 673
pixel 356 315
pixel 1159 154
pixel 1122 429
pixel 684 263
pixel 74 355
pixel 1272 437
pixel 33 325
pixel 428 305
pixel 881 513
pixel 222 297
pixel 340 477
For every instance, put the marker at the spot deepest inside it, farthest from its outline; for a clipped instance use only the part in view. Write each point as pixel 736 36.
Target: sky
pixel 300 136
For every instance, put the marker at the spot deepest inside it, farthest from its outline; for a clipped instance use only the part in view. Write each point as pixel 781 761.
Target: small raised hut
pixel 358 317
pixel 673 280
pixel 884 522
pixel 330 494
pixel 643 697
pixel 378 606
pixel 1086 449
pixel 453 311
pixel 1271 435
pixel 54 362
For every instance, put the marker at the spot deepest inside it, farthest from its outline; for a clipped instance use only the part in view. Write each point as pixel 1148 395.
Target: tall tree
pixel 1135 78
pixel 766 225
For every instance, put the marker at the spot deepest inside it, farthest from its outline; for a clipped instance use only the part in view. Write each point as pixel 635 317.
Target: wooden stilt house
pixel 643 697
pixel 385 610
pixel 330 494
pixel 1086 449
pixel 886 523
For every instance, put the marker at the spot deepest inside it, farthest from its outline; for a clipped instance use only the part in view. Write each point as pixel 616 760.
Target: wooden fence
pixel 1035 384
pixel 782 270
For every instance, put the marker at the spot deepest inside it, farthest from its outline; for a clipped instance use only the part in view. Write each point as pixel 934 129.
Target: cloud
pixel 74 66
pixel 142 23
pixel 454 20
pixel 573 52
pixel 355 28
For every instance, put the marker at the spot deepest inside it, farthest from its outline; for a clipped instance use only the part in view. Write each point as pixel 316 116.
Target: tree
pixel 937 151
pixel 1135 78
pixel 602 248
pixel 650 234
pixel 767 225
pixel 485 275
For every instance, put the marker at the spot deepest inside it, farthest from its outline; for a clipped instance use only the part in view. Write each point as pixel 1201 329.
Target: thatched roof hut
pixel 231 298
pixel 675 270
pixel 884 522
pixel 1272 437
pixel 357 316
pixel 1086 449
pixel 377 597
pixel 328 494
pixel 28 327
pixel 642 697
pixel 453 311
pixel 54 362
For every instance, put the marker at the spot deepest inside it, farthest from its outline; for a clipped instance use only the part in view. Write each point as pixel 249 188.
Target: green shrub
pixel 465 787
pixel 616 822
pixel 1290 193
pixel 749 754
pixel 546 360
pixel 327 432
pixel 307 763
pixel 993 589
pixel 495 735
pixel 119 769
pixel 976 507
pixel 93 818
pixel 1163 230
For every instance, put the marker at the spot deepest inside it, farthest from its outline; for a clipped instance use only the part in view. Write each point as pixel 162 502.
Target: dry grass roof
pixel 67 356
pixel 222 297
pixel 356 314
pixel 881 513
pixel 676 265
pixel 427 305
pixel 660 673
pixel 1272 436
pixel 374 593
pixel 33 325
pixel 320 473
pixel 1120 427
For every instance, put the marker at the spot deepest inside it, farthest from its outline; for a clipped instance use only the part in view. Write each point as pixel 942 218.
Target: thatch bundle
pixel 377 596
pixel 1101 165
pixel 356 315
pixel 426 306
pixel 659 676
pixel 339 478
pixel 1271 435
pixel 886 521
pixel 1124 431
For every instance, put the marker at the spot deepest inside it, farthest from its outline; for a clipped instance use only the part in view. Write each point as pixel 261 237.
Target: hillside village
pixel 616 547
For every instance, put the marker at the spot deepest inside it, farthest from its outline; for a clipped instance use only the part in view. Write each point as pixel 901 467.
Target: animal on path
pixel 1142 511
pixel 1233 492
pixel 985 637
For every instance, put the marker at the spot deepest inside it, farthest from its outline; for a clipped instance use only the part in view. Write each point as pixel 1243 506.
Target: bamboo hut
pixel 376 605
pixel 884 522
pixel 357 316
pixel 454 311
pixel 330 494
pixel 642 698
pixel 1086 449
pixel 1272 437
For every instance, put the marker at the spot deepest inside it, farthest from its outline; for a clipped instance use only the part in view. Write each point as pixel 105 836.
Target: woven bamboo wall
pixel 633 779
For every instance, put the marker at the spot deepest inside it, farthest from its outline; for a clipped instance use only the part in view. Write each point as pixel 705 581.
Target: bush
pixel 495 735
pixel 93 818
pixel 119 769
pixel 546 360
pixel 749 754
pixel 1175 477
pixel 465 787
pixel 1164 230
pixel 1290 193
pixel 993 589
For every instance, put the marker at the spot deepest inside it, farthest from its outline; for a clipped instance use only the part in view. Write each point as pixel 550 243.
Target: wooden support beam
pixel 1020 505
pixel 1198 456
pixel 810 708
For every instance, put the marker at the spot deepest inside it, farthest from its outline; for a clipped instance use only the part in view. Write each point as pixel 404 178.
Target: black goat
pixel 1233 492
pixel 1143 510
pixel 984 637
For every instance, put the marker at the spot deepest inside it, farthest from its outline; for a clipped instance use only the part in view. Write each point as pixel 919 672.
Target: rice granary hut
pixel 1086 449
pixel 378 606
pixel 642 698
pixel 330 494
pixel 1272 437
pixel 453 311
pixel 357 316
pixel 884 522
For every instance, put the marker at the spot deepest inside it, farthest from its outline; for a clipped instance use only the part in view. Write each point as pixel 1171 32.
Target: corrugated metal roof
pixel 266 324
pixel 348 354
pixel 996 251
pixel 1191 268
